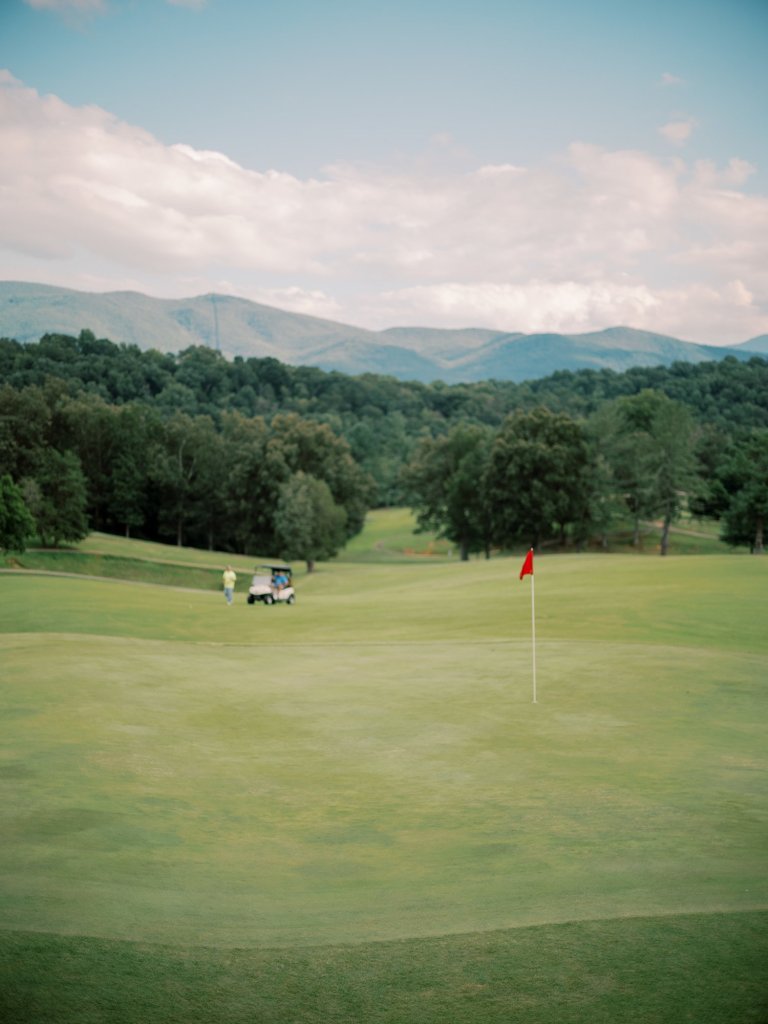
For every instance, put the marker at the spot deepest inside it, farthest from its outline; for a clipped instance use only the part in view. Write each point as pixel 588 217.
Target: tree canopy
pixel 16 522
pixel 194 449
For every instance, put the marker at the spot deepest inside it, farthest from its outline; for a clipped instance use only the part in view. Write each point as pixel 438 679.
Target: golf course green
pixel 351 809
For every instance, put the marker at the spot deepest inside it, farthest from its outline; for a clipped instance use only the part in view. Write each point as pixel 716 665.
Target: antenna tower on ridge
pixel 216 322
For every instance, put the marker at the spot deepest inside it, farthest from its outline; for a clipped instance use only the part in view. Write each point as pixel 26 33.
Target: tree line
pixel 256 456
pixel 241 484
pixel 545 476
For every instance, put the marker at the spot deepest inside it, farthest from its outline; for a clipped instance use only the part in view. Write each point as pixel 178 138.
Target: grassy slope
pixel 388 538
pixel 707 969
pixel 368 766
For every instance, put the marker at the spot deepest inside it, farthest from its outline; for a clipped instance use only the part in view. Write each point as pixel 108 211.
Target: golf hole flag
pixel 527 569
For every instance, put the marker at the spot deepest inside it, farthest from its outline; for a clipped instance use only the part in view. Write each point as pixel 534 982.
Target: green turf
pixel 702 969
pixel 390 536
pixel 137 570
pixel 287 799
pixel 686 600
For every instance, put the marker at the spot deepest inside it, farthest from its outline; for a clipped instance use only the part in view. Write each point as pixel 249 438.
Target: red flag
pixel 527 565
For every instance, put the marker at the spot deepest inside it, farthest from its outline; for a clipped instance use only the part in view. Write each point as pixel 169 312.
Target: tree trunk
pixel 464 549
pixel 310 565
pixel 665 534
pixel 759 538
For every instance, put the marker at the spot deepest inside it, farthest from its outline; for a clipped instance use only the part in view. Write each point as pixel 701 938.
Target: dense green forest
pixel 256 456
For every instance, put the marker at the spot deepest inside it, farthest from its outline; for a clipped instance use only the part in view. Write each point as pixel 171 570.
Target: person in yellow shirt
pixel 230 579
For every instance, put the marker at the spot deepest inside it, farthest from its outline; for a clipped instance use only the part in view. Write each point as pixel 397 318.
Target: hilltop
pixel 239 327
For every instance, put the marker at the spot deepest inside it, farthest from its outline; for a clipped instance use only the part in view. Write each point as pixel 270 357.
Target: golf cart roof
pixel 276 568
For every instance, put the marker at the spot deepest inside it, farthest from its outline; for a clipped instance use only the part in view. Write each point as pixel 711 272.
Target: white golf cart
pixel 272 584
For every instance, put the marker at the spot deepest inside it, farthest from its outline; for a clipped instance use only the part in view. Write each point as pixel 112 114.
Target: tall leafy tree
pixel 16 522
pixel 622 451
pixel 89 426
pixel 672 432
pixel 447 481
pixel 714 450
pixel 25 429
pixel 654 453
pixel 250 494
pixel 186 473
pixel 539 479
pixel 60 509
pixel 298 445
pixel 208 506
pixel 127 492
pixel 308 522
pixel 138 427
pixel 746 480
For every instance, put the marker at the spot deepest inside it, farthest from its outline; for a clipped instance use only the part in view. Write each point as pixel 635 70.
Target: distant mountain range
pixel 238 327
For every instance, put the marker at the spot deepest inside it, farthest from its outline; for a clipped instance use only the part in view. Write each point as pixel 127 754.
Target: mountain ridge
pixel 240 327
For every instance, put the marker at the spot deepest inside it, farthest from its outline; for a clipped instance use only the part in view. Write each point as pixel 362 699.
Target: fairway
pixel 368 766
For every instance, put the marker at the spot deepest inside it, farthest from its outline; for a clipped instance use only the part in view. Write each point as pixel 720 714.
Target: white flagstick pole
pixel 533 637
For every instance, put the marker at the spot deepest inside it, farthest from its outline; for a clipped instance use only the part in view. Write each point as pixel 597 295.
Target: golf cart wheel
pixel 268 599
pixel 251 599
pixel 291 599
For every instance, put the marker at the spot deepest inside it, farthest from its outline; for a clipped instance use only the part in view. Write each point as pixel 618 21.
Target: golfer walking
pixel 230 579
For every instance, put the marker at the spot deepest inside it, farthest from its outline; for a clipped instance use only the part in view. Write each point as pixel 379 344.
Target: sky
pixel 520 165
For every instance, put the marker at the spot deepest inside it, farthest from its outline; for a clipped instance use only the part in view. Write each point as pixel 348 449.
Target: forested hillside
pixel 195 448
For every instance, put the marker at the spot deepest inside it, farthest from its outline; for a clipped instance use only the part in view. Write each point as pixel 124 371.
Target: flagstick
pixel 533 637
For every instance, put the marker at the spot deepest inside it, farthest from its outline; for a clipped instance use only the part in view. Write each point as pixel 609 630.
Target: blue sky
pixel 543 165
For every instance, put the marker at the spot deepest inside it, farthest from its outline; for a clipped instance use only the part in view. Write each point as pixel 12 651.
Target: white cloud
pixel 668 79
pixel 678 132
pixel 531 306
pixel 692 312
pixel 587 240
pixel 736 173
pixel 313 302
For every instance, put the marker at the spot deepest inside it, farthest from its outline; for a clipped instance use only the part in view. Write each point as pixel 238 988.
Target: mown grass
pixel 349 810
pixel 686 600
pixel 138 570
pixel 704 969
pixel 390 535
